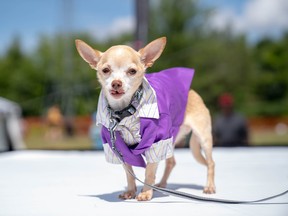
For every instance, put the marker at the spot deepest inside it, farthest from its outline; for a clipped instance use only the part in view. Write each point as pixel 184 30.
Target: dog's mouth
pixel 117 93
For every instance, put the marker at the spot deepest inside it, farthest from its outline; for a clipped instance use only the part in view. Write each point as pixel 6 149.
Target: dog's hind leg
pixel 171 162
pixel 199 119
pixel 204 140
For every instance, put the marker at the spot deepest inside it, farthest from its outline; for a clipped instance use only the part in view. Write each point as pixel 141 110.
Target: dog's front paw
pixel 130 194
pixel 209 189
pixel 145 196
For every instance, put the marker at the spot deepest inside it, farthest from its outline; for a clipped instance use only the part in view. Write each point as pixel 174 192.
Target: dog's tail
pixel 196 149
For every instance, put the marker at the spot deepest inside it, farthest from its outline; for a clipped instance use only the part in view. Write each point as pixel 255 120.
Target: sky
pixel 28 19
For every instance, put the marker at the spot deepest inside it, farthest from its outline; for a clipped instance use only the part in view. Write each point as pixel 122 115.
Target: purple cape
pixel 171 87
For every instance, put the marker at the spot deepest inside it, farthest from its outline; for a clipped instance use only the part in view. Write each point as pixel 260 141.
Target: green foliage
pixel 19 79
pixel 53 74
pixel 270 82
pixel 257 75
pixel 222 62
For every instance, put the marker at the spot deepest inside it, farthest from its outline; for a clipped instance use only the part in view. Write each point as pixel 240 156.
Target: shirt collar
pixel 147 108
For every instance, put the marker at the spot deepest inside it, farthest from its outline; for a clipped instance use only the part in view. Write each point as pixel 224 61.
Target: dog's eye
pixel 132 71
pixel 105 70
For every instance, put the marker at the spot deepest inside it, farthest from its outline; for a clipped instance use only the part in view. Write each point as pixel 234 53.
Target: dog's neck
pixel 119 104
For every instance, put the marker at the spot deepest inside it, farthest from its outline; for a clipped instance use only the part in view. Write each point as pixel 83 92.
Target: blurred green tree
pixel 270 82
pixel 221 60
pixel 20 80
pixel 257 75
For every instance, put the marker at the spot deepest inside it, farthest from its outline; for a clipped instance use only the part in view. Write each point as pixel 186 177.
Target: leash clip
pixel 112 127
pixel 113 124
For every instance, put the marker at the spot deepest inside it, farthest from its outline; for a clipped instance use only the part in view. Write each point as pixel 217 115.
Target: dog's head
pixel 120 69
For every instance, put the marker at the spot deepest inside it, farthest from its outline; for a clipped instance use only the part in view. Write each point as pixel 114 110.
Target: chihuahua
pixel 158 120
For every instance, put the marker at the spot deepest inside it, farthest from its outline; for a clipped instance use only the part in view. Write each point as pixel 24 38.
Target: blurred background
pixel 48 94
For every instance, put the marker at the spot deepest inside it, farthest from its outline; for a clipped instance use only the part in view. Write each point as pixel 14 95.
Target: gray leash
pixel 184 195
pixel 117 116
pixel 167 191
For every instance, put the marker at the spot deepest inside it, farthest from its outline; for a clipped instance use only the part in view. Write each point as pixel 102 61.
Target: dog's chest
pixel 129 129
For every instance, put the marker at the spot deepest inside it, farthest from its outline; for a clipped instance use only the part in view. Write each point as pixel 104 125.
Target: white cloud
pixel 117 27
pixel 266 16
pixel 259 18
pixel 222 18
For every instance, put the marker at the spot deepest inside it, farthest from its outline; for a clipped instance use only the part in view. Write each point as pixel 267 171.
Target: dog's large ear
pixel 151 52
pixel 90 55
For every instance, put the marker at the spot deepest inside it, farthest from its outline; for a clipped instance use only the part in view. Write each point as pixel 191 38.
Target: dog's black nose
pixel 116 84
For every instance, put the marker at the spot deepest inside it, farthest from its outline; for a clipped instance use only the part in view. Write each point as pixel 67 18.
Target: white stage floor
pixel 68 183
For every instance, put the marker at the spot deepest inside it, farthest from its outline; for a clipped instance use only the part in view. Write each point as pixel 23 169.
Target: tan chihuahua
pixel 121 73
